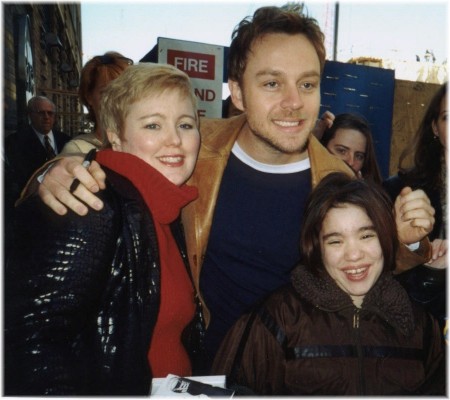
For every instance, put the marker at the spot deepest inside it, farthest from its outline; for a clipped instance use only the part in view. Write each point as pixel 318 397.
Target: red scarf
pixel 165 201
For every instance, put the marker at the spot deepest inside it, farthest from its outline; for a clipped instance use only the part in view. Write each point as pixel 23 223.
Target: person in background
pixel 24 151
pixel 428 151
pixel 95 75
pixel 254 171
pixel 350 139
pixel 29 148
pixel 344 326
pixel 97 305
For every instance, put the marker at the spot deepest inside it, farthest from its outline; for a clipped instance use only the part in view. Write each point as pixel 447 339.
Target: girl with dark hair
pixel 428 151
pixel 350 139
pixel 427 284
pixel 343 326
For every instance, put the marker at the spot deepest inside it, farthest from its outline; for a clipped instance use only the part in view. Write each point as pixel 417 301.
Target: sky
pixel 395 30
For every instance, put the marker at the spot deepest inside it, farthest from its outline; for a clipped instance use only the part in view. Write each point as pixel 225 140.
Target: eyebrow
pixel 348 148
pixel 163 116
pixel 273 72
pixel 362 229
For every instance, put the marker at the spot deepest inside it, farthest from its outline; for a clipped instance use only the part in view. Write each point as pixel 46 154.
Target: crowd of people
pixel 240 246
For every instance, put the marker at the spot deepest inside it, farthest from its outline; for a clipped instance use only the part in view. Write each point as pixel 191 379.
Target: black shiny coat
pixel 82 296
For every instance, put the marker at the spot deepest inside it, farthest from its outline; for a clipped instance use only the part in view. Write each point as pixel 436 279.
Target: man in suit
pixel 28 149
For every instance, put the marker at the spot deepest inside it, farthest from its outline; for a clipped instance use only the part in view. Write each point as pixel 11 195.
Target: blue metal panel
pixel 363 90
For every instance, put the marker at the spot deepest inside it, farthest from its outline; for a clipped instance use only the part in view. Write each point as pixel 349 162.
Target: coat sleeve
pixel 435 361
pixel 52 286
pixel 260 367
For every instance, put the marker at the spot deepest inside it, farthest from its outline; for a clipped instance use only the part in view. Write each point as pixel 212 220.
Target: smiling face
pixel 349 145
pixel 280 93
pixel 351 251
pixel 162 131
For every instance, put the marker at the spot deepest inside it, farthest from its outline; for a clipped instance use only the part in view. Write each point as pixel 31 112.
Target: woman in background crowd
pixel 344 326
pixel 350 139
pixel 96 305
pixel 428 151
pixel 95 75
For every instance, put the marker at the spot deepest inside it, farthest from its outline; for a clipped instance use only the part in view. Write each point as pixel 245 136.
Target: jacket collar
pixel 219 136
pixel 387 298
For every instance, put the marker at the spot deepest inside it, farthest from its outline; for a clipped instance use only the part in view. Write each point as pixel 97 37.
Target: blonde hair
pixel 136 83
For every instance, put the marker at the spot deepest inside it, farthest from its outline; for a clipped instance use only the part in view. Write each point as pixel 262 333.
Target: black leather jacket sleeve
pixel 61 266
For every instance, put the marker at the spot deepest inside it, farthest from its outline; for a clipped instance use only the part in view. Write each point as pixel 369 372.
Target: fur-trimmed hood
pixel 387 298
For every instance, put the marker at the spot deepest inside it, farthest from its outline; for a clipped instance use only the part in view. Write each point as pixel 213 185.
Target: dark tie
pixel 48 147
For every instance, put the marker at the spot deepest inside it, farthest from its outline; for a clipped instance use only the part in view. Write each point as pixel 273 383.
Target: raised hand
pixel 414 215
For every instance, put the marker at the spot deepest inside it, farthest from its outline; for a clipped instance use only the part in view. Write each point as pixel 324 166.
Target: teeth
pixel 287 123
pixel 171 159
pixel 355 271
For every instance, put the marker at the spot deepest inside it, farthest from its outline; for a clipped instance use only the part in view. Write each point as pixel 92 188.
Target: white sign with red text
pixel 204 65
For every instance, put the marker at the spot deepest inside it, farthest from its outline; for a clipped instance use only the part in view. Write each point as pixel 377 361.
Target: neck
pixel 357 300
pixel 41 133
pixel 98 132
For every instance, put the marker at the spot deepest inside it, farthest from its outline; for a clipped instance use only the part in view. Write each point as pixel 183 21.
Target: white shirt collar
pixel 50 137
pixel 269 168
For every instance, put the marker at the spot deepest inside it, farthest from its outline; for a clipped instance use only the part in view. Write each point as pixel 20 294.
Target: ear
pixel 435 128
pixel 236 94
pixel 115 141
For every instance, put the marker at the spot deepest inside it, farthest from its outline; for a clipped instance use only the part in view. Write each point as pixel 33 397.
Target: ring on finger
pixel 74 185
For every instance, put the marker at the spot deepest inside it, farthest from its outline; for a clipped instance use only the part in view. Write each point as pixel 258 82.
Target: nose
pixel 292 98
pixel 173 137
pixel 352 251
pixel 350 159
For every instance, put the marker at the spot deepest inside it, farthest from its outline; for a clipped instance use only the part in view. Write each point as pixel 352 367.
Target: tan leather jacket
pixel 218 137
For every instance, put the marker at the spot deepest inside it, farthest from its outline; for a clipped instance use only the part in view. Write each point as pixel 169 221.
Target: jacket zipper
pixel 357 331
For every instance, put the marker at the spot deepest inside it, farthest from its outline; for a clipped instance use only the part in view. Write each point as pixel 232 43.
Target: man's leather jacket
pixel 218 138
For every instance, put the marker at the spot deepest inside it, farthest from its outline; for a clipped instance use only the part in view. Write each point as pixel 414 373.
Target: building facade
pixel 42 55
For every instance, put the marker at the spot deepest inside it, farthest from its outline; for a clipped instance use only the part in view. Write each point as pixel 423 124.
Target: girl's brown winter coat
pixel 309 339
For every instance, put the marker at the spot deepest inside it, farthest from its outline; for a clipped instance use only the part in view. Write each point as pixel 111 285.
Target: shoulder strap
pixel 232 378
